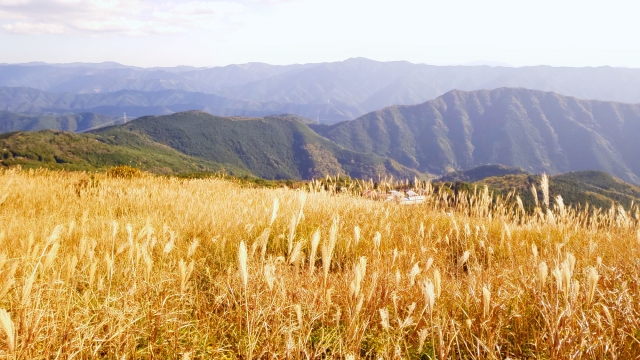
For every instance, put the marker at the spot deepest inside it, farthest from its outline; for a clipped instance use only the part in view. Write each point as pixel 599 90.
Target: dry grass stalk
pixel 242 264
pixel 327 249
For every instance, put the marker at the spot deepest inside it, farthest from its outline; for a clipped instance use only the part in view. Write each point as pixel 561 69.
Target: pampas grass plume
pixel 486 301
pixel 543 272
pixel 592 281
pixel 429 294
pixel 315 241
pixel 544 184
pixel 8 327
pixel 242 263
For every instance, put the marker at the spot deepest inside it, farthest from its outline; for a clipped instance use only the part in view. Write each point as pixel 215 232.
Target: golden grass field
pixel 154 267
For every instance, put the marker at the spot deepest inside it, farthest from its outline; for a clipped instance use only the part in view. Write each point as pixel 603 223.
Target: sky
pixel 216 33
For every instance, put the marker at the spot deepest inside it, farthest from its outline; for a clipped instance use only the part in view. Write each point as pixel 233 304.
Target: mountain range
pixel 577 188
pixel 132 146
pixel 595 188
pixel 273 147
pixel 88 152
pixel 534 130
pixel 141 103
pixel 77 122
pixel 330 92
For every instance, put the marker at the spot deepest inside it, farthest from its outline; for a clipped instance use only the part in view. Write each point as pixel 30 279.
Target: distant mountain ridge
pixel 124 146
pixel 597 189
pixel 480 173
pixel 537 131
pixel 532 130
pixel 272 147
pixel 10 122
pixel 579 188
pixel 331 92
pixel 143 103
pixel 87 152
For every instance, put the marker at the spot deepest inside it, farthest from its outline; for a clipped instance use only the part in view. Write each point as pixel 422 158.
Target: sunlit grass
pixel 168 268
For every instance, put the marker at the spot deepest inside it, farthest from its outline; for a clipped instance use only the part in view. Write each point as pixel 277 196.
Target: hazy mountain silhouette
pixel 141 103
pixel 68 122
pixel 336 91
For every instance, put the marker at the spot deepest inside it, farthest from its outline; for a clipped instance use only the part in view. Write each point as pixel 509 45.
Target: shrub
pixel 124 172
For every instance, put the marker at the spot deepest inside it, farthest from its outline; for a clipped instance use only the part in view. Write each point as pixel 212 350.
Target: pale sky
pixel 214 33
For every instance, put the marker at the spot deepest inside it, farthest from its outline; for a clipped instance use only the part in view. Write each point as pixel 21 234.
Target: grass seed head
pixel 193 247
pixel 384 318
pixel 427 266
pixel 315 241
pixel 9 329
pixel 566 274
pixel 486 301
pixel 298 309
pixel 437 283
pixel 575 290
pixel 543 272
pixel 429 294
pixel 592 281
pixel 377 240
pixel 269 272
pixel 544 185
pixel 415 271
pixel 463 259
pixel 422 337
pixel 274 211
pixel 557 274
pixel 360 270
pixel 169 246
pixel 295 254
pixel 561 207
pixel 328 247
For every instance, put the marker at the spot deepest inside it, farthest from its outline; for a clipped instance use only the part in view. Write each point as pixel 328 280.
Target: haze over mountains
pixel 534 130
pixel 330 92
pixel 140 103
pixel 402 124
pixel 69 122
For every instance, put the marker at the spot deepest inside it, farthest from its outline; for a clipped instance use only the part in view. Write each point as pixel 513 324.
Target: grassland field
pixel 152 267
